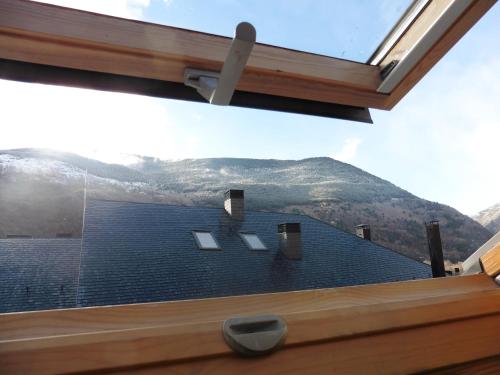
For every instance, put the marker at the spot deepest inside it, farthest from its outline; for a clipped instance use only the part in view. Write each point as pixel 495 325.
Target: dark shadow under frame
pixel 52 75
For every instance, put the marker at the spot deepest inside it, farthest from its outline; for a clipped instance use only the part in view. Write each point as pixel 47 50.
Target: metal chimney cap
pixel 289 228
pixel 433 222
pixel 362 226
pixel 234 193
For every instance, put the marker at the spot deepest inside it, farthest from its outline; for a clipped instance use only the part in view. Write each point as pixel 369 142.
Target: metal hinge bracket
pixel 218 88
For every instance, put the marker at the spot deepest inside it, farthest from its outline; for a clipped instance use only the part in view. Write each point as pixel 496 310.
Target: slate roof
pixel 38 274
pixel 143 252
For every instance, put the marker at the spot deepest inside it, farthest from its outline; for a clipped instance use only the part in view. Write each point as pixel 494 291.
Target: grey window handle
pixel 256 335
pixel 218 87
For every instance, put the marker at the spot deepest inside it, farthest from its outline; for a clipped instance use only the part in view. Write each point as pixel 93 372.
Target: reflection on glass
pixel 253 241
pixel 350 30
pixel 205 240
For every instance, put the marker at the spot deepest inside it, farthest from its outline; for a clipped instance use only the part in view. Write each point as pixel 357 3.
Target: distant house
pixel 143 252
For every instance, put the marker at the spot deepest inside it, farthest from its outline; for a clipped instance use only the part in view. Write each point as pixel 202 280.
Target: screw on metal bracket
pixel 218 88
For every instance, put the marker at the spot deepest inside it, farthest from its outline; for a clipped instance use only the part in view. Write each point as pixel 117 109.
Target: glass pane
pixel 206 241
pixel 347 29
pixel 254 242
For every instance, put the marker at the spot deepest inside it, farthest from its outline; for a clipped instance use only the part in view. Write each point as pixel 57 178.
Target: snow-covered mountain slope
pixel 490 218
pixel 41 194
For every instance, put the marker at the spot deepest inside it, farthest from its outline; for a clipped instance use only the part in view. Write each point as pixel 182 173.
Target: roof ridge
pixel 269 212
pixel 375 243
pixel 190 206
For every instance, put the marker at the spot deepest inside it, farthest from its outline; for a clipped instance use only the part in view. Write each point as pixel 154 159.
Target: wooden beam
pixel 74 321
pixel 52 35
pixel 189 341
pixel 490 262
pixel 447 41
pixel 483 366
pixel 62 37
pixel 404 352
pixel 419 26
pixel 357 329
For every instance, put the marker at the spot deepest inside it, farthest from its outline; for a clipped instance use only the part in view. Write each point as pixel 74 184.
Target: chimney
pixel 363 231
pixel 290 240
pixel 234 204
pixel 435 248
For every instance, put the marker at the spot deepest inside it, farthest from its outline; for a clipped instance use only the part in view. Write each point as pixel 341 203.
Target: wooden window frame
pixel 53 36
pixel 403 327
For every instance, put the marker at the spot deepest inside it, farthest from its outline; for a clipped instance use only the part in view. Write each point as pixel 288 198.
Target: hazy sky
pixel 441 142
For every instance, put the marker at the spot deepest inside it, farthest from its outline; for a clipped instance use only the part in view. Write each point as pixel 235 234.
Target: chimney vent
pixel 234 204
pixel 290 240
pixel 364 231
pixel 435 248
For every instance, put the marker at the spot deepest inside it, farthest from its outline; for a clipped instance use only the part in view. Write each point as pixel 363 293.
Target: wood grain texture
pixel 451 37
pixel 74 321
pixel 51 35
pixel 490 261
pixel 487 366
pixel 185 337
pixel 402 352
pixel 418 28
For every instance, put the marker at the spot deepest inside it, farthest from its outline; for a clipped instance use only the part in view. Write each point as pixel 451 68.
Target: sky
pixel 440 142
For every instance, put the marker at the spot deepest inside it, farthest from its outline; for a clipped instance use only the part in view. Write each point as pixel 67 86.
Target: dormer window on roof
pixel 253 241
pixel 205 240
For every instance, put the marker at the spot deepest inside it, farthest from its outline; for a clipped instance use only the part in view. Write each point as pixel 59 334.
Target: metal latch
pixel 218 88
pixel 252 336
pixel 386 70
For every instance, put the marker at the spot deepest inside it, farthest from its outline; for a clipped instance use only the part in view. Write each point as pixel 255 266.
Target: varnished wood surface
pixel 451 37
pixel 401 352
pixel 487 366
pixel 491 261
pixel 73 321
pixel 418 28
pixel 51 35
pixel 185 337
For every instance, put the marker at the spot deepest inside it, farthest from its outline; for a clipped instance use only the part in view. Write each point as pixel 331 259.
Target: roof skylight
pixel 253 241
pixel 349 30
pixel 205 240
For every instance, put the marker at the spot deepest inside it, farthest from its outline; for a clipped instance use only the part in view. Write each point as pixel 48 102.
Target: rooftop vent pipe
pixel 435 248
pixel 234 204
pixel 290 240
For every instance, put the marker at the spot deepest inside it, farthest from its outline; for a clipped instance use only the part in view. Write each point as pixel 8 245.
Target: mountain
pixel 42 194
pixel 490 218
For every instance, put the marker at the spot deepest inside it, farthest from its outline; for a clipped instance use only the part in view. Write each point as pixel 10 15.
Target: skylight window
pixel 205 240
pixel 346 29
pixel 253 241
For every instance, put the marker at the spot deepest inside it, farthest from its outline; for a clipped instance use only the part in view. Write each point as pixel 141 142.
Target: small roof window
pixel 205 240
pixel 253 241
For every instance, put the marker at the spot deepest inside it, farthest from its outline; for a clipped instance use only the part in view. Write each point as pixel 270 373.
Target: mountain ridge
pixel 321 187
pixel 489 218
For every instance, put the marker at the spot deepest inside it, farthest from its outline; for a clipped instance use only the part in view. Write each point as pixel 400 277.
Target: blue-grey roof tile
pixel 141 252
pixel 38 274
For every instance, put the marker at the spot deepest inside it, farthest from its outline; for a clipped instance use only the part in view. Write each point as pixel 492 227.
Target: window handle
pixel 256 335
pixel 218 87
